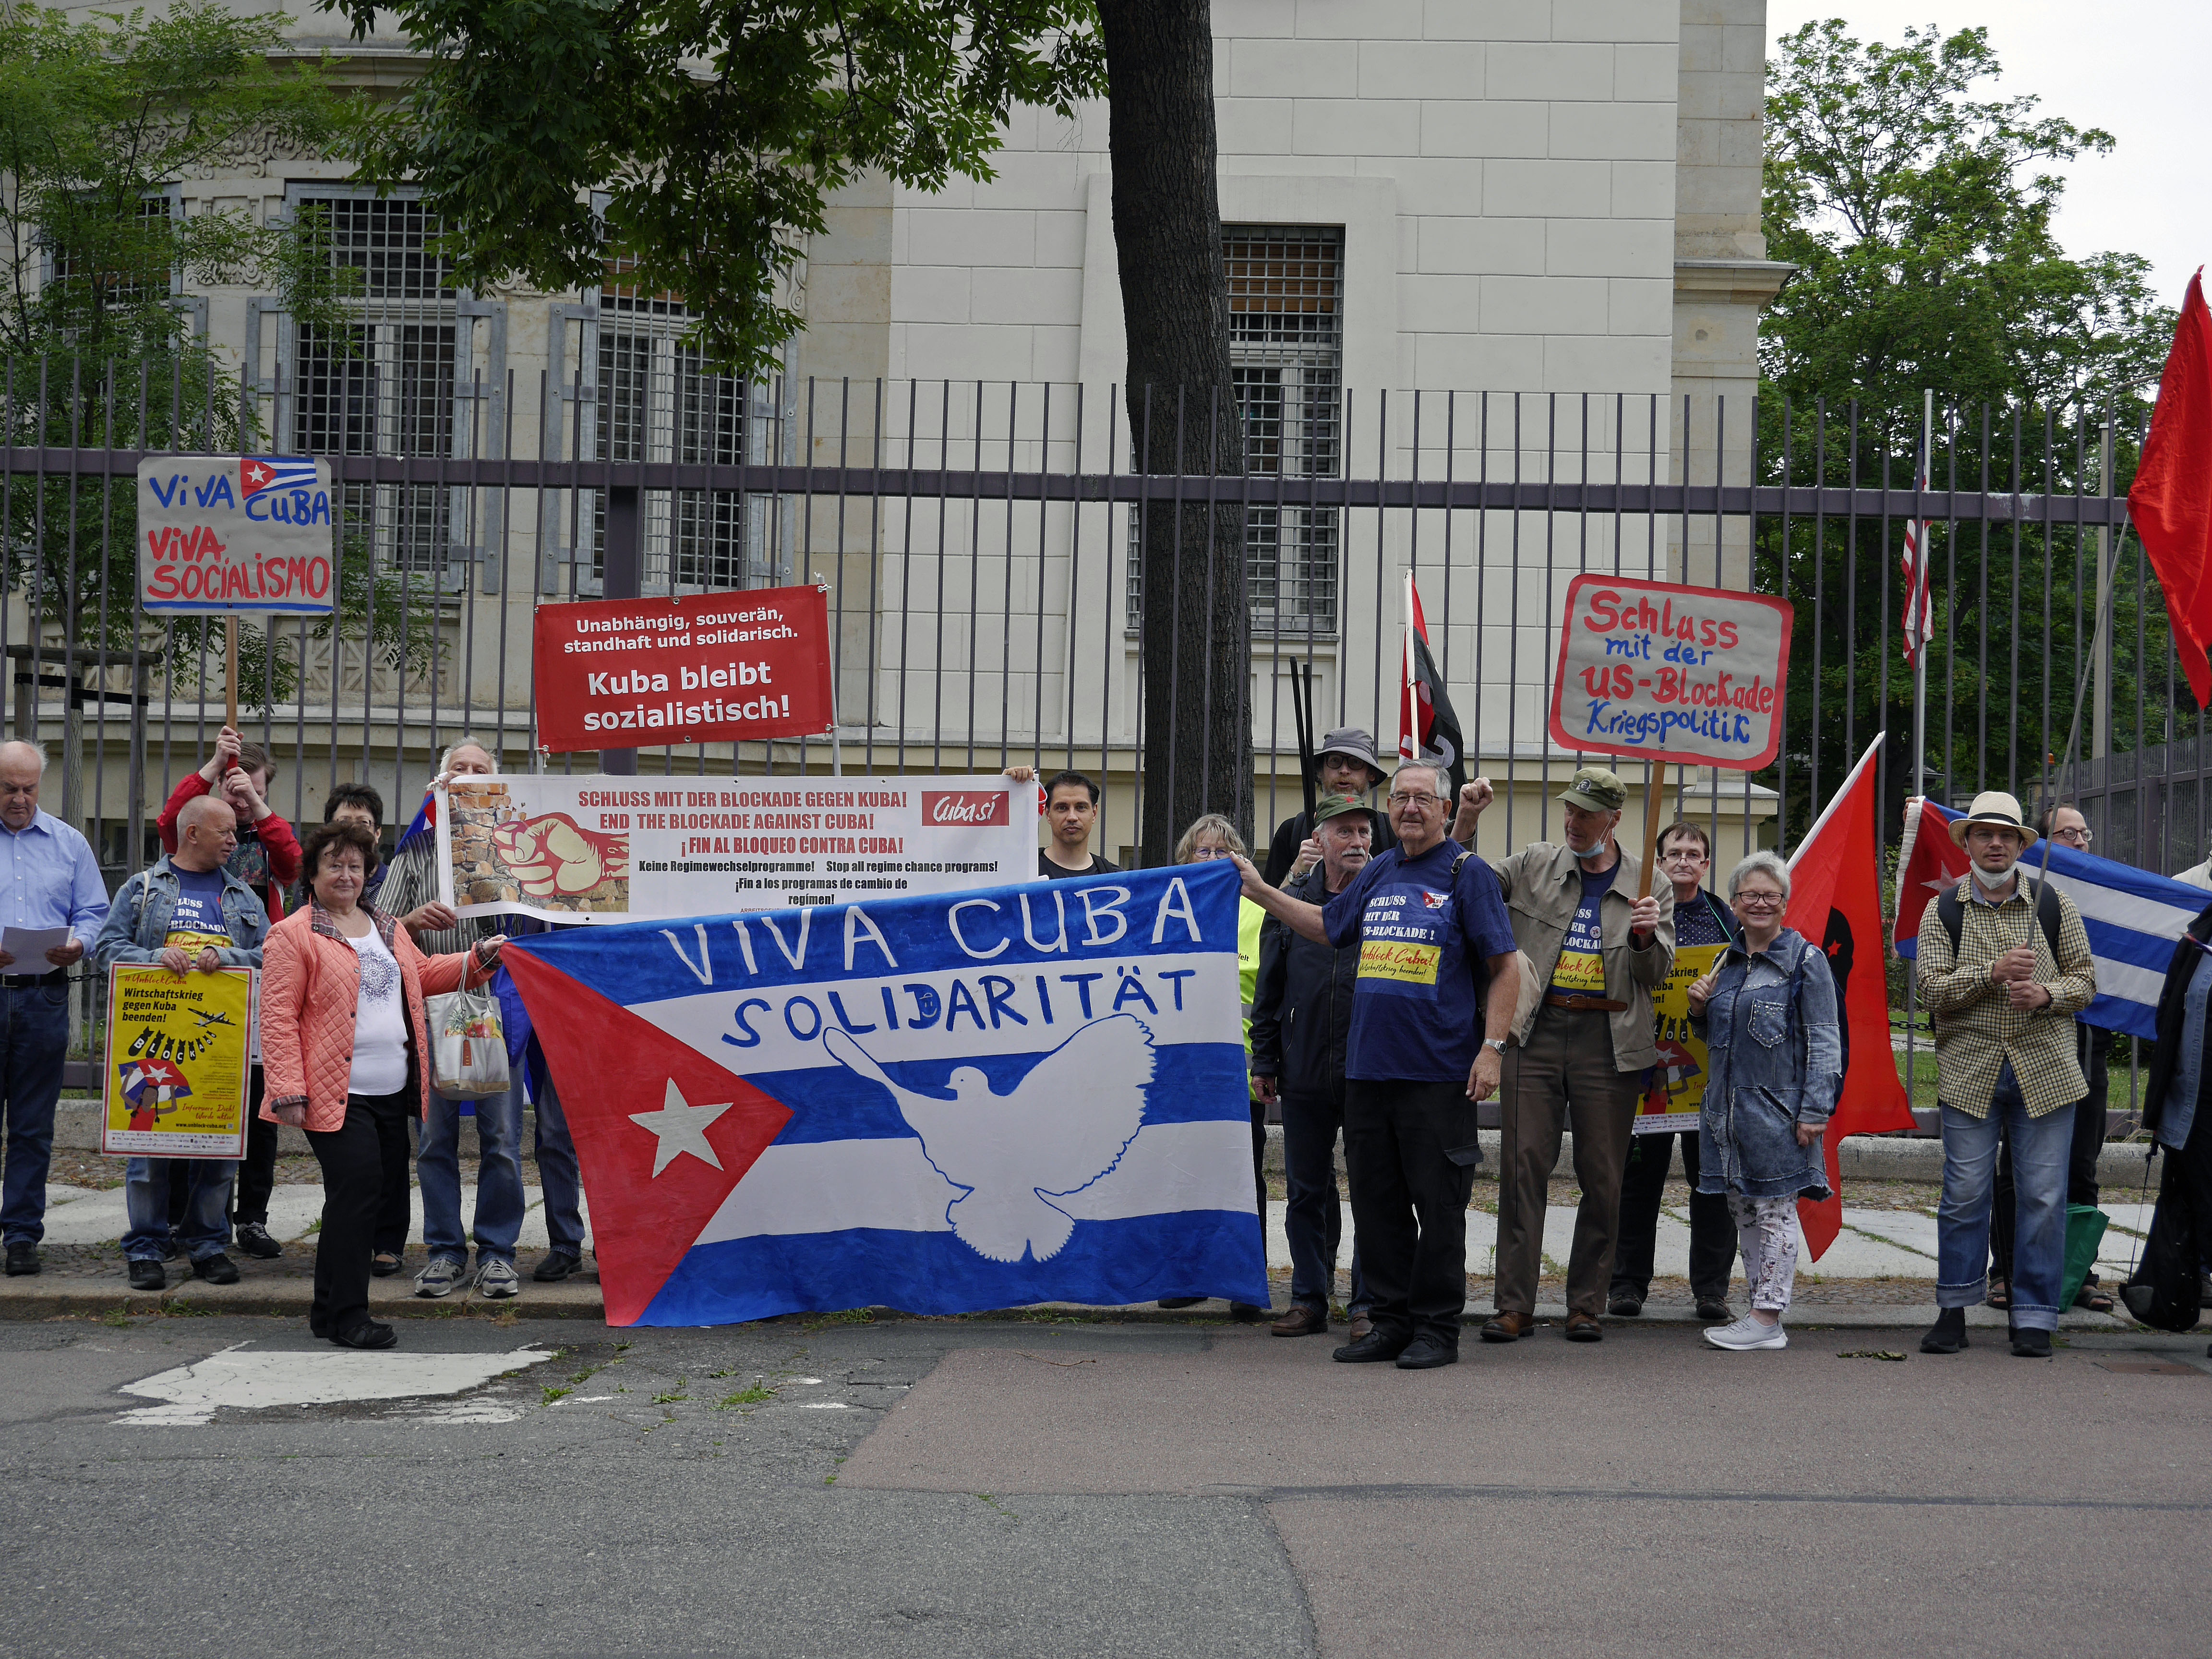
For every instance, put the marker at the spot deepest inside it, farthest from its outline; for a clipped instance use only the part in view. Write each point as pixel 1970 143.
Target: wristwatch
pixel 1497 1044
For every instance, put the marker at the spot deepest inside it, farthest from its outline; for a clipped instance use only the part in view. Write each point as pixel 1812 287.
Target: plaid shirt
pixel 1977 1027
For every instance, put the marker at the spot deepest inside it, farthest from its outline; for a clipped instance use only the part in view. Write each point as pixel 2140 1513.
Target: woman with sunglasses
pixel 1769 1018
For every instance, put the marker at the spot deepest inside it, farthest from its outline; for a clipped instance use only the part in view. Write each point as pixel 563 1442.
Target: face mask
pixel 1989 882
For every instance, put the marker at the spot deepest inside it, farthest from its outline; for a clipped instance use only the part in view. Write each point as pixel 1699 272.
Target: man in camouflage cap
pixel 1598 952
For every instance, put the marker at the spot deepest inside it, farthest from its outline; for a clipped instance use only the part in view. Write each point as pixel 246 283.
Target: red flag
pixel 1835 900
pixel 1428 726
pixel 2172 499
pixel 1929 863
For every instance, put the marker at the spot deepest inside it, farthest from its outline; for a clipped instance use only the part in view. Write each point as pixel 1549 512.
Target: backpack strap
pixel 1951 913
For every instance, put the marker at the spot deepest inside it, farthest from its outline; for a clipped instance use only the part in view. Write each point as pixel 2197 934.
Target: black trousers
pixel 1712 1231
pixel 355 1157
pixel 1409 1197
pixel 2081 1165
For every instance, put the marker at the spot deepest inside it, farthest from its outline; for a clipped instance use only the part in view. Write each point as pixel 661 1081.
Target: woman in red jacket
pixel 344 1042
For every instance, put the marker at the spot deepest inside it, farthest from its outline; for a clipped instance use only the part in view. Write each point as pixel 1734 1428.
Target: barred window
pixel 1286 364
pixel 658 400
pixel 387 238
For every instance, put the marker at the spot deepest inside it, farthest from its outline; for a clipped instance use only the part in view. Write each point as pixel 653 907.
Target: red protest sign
pixel 707 668
pixel 1688 674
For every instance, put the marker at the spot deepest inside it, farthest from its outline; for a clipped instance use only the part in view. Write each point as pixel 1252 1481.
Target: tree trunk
pixel 1197 748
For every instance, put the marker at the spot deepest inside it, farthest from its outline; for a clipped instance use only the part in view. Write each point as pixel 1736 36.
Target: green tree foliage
pixel 1918 213
pixel 98 120
pixel 712 131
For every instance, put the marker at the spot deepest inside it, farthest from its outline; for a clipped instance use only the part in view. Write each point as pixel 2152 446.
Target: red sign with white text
pixel 976 808
pixel 734 667
pixel 1688 674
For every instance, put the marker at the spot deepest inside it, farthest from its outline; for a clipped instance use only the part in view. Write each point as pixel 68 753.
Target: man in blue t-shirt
pixel 1436 963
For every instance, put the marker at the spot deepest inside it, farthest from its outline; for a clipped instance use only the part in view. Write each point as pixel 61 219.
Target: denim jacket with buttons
pixel 1775 1054
pixel 138 921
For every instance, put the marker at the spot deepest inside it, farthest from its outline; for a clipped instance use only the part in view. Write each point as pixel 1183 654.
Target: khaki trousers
pixel 1561 1077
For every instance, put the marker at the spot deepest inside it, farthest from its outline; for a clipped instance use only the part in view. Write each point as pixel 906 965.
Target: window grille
pixel 1286 365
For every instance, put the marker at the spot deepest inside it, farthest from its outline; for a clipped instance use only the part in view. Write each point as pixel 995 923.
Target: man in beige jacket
pixel 1598 952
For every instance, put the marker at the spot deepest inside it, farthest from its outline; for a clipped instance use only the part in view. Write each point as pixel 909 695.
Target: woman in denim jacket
pixel 1768 1015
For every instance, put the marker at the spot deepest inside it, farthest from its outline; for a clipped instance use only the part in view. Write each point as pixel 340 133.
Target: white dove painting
pixel 1061 1127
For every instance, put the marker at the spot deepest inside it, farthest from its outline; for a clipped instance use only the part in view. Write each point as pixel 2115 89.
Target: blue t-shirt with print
pixel 1580 970
pixel 1424 943
pixel 197 922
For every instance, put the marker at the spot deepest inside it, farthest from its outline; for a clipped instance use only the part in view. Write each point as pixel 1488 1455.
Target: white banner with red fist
pixel 600 848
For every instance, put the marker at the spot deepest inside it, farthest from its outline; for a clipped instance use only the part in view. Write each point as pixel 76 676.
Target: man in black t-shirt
pixel 1345 764
pixel 1071 809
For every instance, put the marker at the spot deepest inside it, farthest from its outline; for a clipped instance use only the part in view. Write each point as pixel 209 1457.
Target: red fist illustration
pixel 554 855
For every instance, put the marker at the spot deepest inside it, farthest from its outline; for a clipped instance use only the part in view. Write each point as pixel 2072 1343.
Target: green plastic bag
pixel 2085 1231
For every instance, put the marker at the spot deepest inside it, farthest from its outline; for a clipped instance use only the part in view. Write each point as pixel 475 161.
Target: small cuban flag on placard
pixel 257 473
pixel 944 1104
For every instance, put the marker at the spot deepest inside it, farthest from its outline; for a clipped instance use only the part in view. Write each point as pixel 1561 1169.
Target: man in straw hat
pixel 1599 951
pixel 2004 967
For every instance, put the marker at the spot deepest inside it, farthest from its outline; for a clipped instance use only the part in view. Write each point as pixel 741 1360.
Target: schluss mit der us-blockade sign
pixel 1693 675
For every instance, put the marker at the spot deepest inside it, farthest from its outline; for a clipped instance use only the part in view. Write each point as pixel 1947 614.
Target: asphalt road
pixel 951 1487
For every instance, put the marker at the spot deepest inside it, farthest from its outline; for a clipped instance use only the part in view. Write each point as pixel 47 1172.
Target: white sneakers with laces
pixel 1748 1333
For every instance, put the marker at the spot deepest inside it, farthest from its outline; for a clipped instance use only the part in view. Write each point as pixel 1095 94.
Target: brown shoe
pixel 1585 1327
pixel 1361 1326
pixel 1508 1327
pixel 1300 1321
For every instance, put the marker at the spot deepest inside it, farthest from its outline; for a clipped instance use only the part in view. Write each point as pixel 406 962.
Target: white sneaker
pixel 496 1278
pixel 1747 1333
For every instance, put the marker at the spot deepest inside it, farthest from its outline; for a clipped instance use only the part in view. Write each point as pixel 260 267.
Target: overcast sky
pixel 2136 68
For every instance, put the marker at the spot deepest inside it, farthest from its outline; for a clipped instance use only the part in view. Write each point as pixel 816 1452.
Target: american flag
pixel 258 472
pixel 1919 611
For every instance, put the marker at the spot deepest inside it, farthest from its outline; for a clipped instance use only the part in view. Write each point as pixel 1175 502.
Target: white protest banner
pixel 219 535
pixel 1688 674
pixel 602 848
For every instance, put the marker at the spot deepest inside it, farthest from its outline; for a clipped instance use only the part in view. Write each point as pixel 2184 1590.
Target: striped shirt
pixel 1976 1027
pixel 410 882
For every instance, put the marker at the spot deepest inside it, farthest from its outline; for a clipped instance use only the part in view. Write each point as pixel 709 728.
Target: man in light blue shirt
pixel 48 878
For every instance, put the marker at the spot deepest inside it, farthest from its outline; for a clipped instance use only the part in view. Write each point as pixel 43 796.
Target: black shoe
pixel 1714 1309
pixel 385 1263
pixel 1180 1301
pixel 22 1258
pixel 2030 1345
pixel 1245 1314
pixel 254 1239
pixel 1624 1304
pixel 558 1266
pixel 1948 1334
pixel 217 1269
pixel 369 1333
pixel 1425 1353
pixel 148 1274
pixel 1373 1348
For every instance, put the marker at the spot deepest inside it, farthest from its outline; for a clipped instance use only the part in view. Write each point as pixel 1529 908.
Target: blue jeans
pixel 205 1229
pixel 2039 1150
pixel 499 1177
pixel 556 1167
pixel 33 1038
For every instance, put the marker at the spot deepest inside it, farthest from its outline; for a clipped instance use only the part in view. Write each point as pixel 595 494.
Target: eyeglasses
pixel 1761 901
pixel 2080 837
pixel 1675 855
pixel 1422 802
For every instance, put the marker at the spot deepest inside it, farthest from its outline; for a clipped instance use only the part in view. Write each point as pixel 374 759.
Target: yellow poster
pixel 176 1061
pixel 1678 1082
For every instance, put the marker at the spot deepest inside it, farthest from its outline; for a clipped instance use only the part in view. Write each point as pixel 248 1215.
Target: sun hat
pixel 1993 806
pixel 1352 741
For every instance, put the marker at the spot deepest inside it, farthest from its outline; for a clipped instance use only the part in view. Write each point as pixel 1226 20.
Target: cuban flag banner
pixel 2133 918
pixel 944 1105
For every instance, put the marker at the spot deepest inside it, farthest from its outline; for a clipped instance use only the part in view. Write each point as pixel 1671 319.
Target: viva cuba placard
pixel 222 535
pixel 175 1061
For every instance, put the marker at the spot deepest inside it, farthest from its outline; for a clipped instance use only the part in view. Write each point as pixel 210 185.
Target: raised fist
pixel 553 855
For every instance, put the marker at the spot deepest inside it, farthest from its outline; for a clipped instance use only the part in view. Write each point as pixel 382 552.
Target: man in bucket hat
pixel 1600 953
pixel 1344 764
pixel 2004 967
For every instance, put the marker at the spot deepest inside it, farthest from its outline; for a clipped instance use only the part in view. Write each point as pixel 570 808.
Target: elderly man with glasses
pixel 1600 953
pixel 1436 965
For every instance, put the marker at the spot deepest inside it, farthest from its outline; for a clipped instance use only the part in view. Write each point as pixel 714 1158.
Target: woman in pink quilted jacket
pixel 342 1041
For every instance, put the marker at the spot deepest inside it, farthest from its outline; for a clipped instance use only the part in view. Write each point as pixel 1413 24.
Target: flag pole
pixel 1927 554
pixel 230 671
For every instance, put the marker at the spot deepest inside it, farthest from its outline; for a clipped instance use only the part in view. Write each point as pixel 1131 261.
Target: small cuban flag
pixel 943 1105
pixel 258 472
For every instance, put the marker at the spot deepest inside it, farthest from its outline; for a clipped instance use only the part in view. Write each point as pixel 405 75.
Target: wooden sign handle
pixel 230 672
pixel 1654 793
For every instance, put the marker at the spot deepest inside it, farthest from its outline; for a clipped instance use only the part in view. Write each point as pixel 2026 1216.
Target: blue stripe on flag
pixel 1109 1263
pixel 832 1104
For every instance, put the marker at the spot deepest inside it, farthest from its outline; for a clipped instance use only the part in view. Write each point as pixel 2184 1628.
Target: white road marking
pixel 258 1379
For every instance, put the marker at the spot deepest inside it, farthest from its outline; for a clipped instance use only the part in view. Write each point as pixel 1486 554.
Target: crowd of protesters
pixel 1391 981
